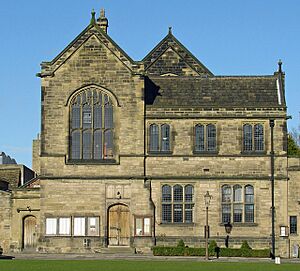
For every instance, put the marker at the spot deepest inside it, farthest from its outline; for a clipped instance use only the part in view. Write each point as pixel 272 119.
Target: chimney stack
pixel 102 21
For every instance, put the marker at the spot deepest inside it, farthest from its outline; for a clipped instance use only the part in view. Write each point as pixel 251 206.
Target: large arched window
pixel 91 126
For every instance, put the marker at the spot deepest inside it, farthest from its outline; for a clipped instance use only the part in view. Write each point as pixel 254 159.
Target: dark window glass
pixel 188 213
pixel 98 144
pixel 211 137
pixel 237 212
pixel 247 133
pixel 166 213
pixel 199 138
pixel 165 137
pixel 249 194
pixel 108 144
pixel 87 144
pixel 154 134
pixel 108 112
pixel 249 213
pixel 226 193
pixel 97 116
pixel 189 193
pixel 178 193
pixel 91 125
pixel 237 193
pixel 76 116
pixel 166 193
pixel 75 145
pixel 258 137
pixel 293 224
pixel 87 117
pixel 226 213
pixel 178 213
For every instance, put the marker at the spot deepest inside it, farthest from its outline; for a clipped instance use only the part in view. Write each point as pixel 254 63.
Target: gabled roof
pixel 171 42
pixel 217 91
pixel 48 68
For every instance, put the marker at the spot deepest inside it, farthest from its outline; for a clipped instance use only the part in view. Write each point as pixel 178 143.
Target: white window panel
pixel 139 226
pixel 79 226
pixel 51 226
pixel 64 226
pixel 93 226
pixel 147 226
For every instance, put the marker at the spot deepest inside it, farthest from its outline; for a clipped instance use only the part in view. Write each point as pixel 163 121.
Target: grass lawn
pixel 124 265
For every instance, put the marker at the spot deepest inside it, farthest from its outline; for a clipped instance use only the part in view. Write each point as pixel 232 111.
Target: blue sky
pixel 232 37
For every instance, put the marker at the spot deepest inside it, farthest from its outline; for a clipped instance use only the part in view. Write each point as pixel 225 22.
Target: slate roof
pixel 217 91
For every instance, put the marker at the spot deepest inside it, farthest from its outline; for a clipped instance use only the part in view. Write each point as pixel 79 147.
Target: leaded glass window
pixel 177 203
pixel 205 138
pixel 91 126
pixel 237 203
pixel 253 138
pixel 159 138
pixel 247 132
pixel 258 137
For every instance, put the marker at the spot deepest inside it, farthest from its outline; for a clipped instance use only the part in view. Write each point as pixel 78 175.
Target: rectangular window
pixel 93 226
pixel 293 224
pixel 64 226
pixel 142 226
pixel 51 226
pixel 79 226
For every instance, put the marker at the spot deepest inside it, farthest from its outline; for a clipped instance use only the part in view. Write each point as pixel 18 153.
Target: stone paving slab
pixel 139 257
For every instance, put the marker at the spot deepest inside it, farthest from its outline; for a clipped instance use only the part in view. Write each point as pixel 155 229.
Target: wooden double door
pixel 119 225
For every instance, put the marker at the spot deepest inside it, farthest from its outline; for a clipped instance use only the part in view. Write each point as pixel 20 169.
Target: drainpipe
pixel 272 124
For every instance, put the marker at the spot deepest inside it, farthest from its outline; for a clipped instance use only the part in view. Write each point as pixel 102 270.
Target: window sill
pixel 158 153
pixel 142 236
pixel 253 153
pixel 205 153
pixel 91 162
pixel 241 224
pixel 177 224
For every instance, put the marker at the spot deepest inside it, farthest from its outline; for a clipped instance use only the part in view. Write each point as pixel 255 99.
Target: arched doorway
pixel 29 232
pixel 118 225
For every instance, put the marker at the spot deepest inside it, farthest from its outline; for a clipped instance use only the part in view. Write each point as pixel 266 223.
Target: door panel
pixel 119 228
pixel 30 238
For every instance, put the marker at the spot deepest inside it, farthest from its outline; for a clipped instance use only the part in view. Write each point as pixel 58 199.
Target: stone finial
pixel 170 30
pixel 102 21
pixel 102 13
pixel 93 19
pixel 279 65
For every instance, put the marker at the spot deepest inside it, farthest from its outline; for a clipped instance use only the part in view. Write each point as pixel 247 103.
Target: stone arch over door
pixel 29 232
pixel 118 225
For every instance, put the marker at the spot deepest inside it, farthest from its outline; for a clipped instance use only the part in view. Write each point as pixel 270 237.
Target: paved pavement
pixel 139 257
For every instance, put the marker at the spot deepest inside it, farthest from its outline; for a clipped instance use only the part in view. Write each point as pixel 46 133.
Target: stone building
pixel 128 149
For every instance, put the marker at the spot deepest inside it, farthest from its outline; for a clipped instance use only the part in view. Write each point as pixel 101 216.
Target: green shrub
pixel 224 252
pixel 180 243
pixel 211 248
pixel 245 246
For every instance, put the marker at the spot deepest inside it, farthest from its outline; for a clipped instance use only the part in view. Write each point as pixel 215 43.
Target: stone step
pixel 117 250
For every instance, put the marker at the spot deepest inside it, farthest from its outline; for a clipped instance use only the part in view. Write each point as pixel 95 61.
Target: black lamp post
pixel 207 198
pixel 228 228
